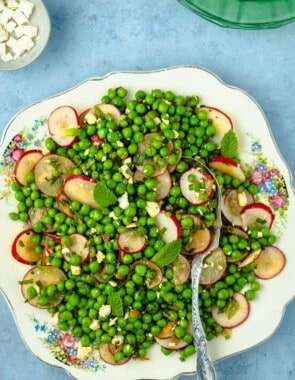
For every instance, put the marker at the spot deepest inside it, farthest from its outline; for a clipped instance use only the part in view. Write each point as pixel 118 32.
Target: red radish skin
pixel 233 203
pixel 25 165
pixel 130 242
pixel 257 213
pixel 79 245
pixel 23 248
pixel 170 226
pixel 80 188
pixel 269 263
pixel 191 195
pixel 227 166
pixel 172 343
pixel 241 314
pixel 48 181
pixel 63 204
pixel 107 354
pixel 250 258
pixel 60 120
pixel 221 121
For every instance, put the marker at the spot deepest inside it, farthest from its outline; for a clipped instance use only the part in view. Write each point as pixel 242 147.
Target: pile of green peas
pixel 179 127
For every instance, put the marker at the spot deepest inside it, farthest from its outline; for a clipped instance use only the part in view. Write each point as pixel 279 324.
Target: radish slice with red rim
pixel 167 331
pixel 227 166
pixel 169 226
pixel 233 203
pixel 178 153
pixel 26 164
pixel 64 204
pixel 51 171
pixel 205 182
pixel 80 188
pixel 214 267
pixel 60 123
pixel 130 241
pixel 250 258
pixel 221 121
pixel 24 249
pixel 257 214
pixel 155 275
pixel 42 277
pixel 163 185
pixel 200 237
pixel 36 215
pixel 172 343
pixel 269 263
pixel 106 354
pixel 235 313
pixel 79 246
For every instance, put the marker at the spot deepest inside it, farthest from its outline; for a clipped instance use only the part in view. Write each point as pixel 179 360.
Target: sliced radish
pixel 42 277
pixel 51 171
pixel 36 215
pixel 168 226
pixel 178 152
pixel 257 214
pixel 24 249
pixel 167 331
pixel 214 267
pixel 60 121
pixel 229 230
pixel 172 343
pixel 232 204
pixel 80 188
pixel 221 121
pixel 130 241
pixel 227 166
pixel 106 354
pixel 26 164
pixel 235 314
pixel 181 270
pixel 108 109
pixel 79 246
pixel 157 276
pixel 270 262
pixel 163 185
pixel 250 258
pixel 96 140
pixel 64 204
pixel 55 238
pixel 206 182
pixel 200 237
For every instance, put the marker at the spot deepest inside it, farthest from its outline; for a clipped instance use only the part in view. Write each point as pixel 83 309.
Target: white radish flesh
pixel 25 165
pixel 269 263
pixel 169 226
pixel 60 121
pixel 227 166
pixel 235 314
pixel 257 214
pixel 172 343
pixel 80 188
pixel 232 204
pixel 181 270
pixel 214 267
pixel 130 241
pixel 23 247
pixel 79 246
pixel 206 182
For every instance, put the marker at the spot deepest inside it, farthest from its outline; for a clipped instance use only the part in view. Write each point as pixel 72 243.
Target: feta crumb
pixel 113 283
pixel 104 311
pixel 152 208
pixel 123 201
pixel 84 352
pixel 120 144
pixel 5 16
pixel 26 7
pixel 100 256
pixel 12 4
pixel 242 199
pixel 113 321
pixel 26 42
pixel 55 317
pixel 112 215
pixel 94 325
pixel 65 250
pixel 76 270
pixel 2 49
pixel 131 225
pixel 127 160
pixel 19 17
pixel 10 26
pixel 3 35
pixel 90 118
pixel 118 340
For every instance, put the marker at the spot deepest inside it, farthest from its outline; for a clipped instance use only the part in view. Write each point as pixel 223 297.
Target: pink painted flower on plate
pixel 257 177
pixel 278 200
pixel 272 173
pixel 66 341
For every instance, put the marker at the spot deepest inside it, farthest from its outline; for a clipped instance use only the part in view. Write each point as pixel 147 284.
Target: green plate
pixel 244 14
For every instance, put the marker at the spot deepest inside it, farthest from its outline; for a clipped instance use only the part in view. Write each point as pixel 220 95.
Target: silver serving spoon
pixel 205 368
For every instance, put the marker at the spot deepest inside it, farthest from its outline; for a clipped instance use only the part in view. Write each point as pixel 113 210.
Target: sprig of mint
pixel 229 144
pixel 168 253
pixel 116 304
pixel 103 196
pixel 232 308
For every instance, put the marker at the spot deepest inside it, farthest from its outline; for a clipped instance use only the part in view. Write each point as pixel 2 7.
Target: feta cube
pixel 2 48
pixel 2 5
pixel 5 16
pixel 13 44
pixel 26 7
pixel 84 352
pixel 94 325
pixel 3 35
pixel 152 208
pixel 7 57
pixel 100 256
pixel 104 311
pixel 10 26
pixel 25 43
pixel 12 4
pixel 76 270
pixel 19 17
pixel 19 31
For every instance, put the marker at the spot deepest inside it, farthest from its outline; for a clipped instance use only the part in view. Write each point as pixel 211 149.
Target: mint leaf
pixel 116 304
pixel 103 196
pixel 72 132
pixel 232 308
pixel 229 144
pixel 168 253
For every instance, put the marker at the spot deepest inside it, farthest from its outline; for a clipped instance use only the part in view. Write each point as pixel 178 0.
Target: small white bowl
pixel 40 18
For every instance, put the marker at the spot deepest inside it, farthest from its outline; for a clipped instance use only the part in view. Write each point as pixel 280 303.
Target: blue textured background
pixel 91 38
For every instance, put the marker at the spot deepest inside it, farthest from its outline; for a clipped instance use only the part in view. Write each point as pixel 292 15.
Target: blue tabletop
pixel 92 38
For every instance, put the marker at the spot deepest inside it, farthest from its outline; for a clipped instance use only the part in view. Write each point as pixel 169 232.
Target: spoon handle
pixel 205 368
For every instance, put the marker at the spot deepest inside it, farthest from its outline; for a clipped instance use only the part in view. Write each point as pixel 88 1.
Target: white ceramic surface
pixel 255 140
pixel 41 19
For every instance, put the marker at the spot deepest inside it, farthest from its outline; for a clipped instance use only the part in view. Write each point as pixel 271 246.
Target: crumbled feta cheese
pixel 19 17
pixel 26 7
pixel 94 325
pixel 131 225
pixel 10 26
pixel 152 208
pixel 84 352
pixel 113 283
pixel 242 199
pixel 2 49
pixel 90 118
pixel 26 42
pixel 100 256
pixel 5 15
pixel 7 57
pixel 14 46
pixel 104 311
pixel 123 201
pixel 113 215
pixel 2 5
pixel 3 35
pixel 112 321
pixel 120 144
pixel 125 170
pixel 127 160
pixel 55 317
pixel 118 340
pixel 76 270
pixel 12 4
pixel 65 250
